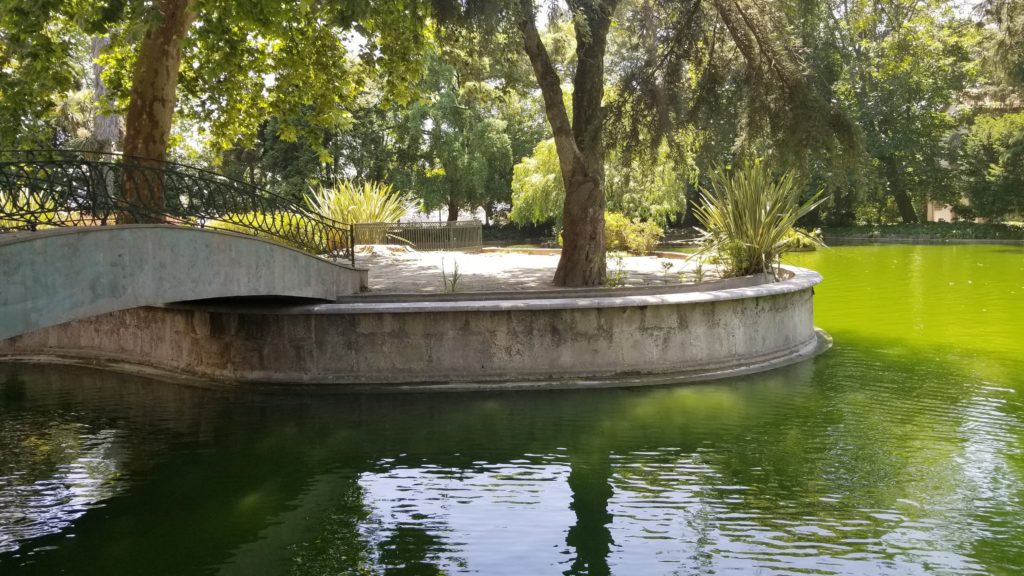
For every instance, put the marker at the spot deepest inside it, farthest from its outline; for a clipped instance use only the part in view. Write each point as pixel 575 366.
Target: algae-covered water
pixel 900 451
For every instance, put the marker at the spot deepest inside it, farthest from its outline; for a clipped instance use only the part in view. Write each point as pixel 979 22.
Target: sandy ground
pixel 420 272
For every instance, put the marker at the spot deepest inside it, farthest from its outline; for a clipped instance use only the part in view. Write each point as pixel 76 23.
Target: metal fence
pixel 49 188
pixel 466 235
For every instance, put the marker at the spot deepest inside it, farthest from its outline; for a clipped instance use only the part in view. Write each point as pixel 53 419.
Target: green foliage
pixel 43 51
pixel 351 203
pixel 41 210
pixel 537 188
pixel 991 166
pixel 438 98
pixel 616 231
pixel 749 217
pixel 800 239
pixel 1006 43
pixel 904 64
pixel 647 187
pixel 643 237
pixel 633 236
pixel 242 62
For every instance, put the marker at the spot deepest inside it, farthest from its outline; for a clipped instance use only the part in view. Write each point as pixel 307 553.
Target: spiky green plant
pixel 352 203
pixel 749 218
pixel 346 201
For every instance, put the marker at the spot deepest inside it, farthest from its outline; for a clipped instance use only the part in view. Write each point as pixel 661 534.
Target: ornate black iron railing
pixel 50 188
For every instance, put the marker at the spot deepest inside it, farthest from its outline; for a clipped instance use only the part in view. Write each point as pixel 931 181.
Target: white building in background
pixel 938 212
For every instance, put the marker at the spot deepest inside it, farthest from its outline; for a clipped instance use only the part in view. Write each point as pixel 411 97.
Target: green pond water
pixel 900 451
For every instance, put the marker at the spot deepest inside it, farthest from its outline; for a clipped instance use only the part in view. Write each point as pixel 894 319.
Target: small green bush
pixel 799 239
pixel 635 237
pixel 623 235
pixel 616 231
pixel 643 237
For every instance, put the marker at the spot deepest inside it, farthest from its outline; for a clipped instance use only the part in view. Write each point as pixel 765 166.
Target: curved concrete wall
pixel 54 276
pixel 460 344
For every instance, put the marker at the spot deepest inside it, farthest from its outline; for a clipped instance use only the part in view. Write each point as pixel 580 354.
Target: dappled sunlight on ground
pixel 421 272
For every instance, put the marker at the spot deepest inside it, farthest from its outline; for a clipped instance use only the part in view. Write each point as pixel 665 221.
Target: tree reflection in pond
pixel 52 471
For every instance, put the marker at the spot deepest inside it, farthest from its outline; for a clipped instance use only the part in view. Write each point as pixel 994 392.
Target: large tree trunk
pixel 906 206
pixel 151 106
pixel 904 203
pixel 579 145
pixel 453 209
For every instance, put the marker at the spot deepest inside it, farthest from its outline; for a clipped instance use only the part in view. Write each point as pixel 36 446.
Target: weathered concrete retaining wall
pixel 58 275
pixel 460 344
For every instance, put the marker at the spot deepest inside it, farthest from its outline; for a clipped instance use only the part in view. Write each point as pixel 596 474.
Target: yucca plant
pixel 749 218
pixel 352 203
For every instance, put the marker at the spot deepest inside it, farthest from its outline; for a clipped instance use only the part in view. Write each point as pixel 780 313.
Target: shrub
pixel 623 235
pixel 369 203
pixel 749 218
pixel 616 231
pixel 800 239
pixel 991 167
pixel 643 237
pixel 635 237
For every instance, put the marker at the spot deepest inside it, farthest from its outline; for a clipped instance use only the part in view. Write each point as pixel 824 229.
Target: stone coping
pixel 742 288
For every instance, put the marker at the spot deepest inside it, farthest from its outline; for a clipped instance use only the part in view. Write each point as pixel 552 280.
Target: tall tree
pixel 154 96
pixel 579 142
pixel 909 60
pixel 227 65
pixel 791 103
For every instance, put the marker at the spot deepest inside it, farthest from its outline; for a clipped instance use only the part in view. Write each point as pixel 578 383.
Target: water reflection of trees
pixel 52 470
pixel 797 460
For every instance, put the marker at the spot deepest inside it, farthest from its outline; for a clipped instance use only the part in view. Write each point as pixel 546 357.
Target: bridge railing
pixel 51 188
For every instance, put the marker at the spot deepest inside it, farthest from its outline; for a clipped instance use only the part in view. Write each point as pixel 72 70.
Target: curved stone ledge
pixel 591 341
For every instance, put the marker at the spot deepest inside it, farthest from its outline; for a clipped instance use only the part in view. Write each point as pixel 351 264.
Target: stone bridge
pixel 57 275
